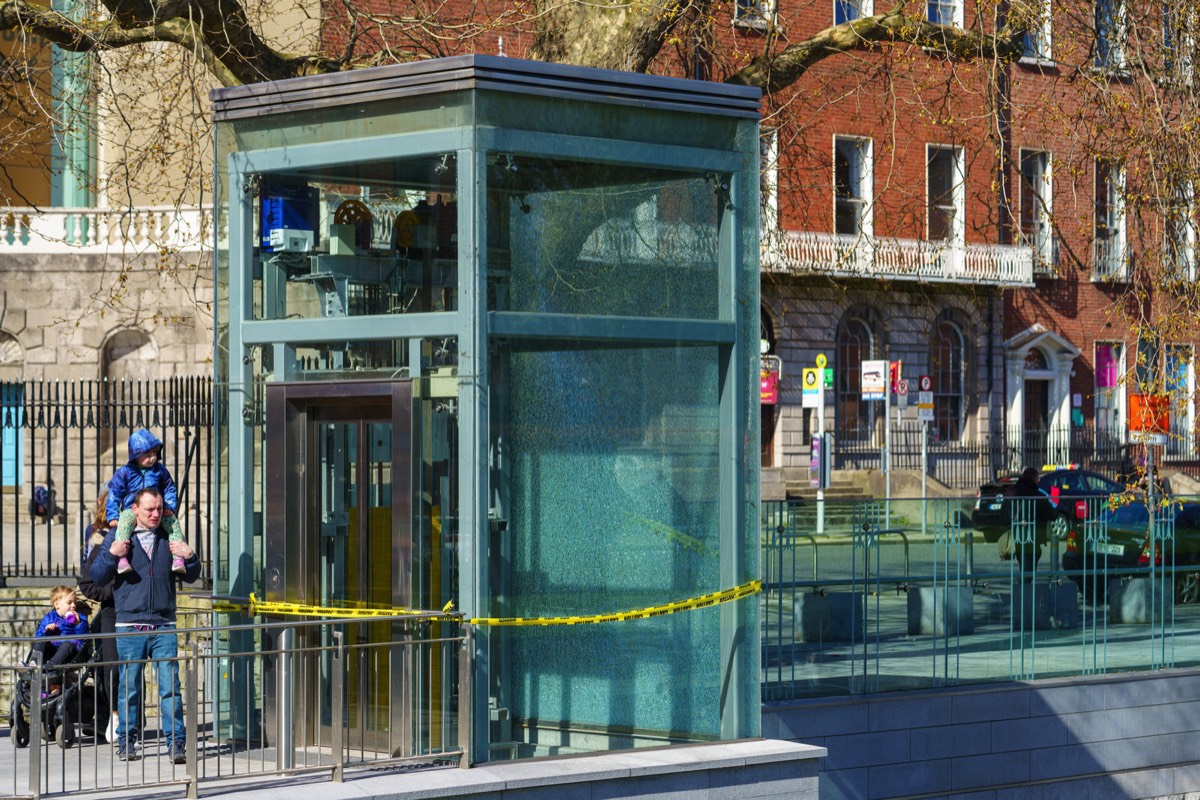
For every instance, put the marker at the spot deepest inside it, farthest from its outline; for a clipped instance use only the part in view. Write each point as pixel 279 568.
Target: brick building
pixel 1022 233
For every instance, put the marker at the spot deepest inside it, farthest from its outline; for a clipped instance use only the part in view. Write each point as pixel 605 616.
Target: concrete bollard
pixel 1140 600
pixel 829 617
pixel 941 611
pixel 1045 606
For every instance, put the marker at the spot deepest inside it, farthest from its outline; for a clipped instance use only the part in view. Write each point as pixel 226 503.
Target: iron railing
pixel 72 436
pixel 968 464
pixel 314 697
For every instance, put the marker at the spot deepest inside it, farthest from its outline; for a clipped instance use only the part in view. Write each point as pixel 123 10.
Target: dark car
pixel 1122 542
pixel 1070 490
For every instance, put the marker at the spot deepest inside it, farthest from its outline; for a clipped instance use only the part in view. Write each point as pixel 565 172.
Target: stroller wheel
pixel 20 731
pixel 66 729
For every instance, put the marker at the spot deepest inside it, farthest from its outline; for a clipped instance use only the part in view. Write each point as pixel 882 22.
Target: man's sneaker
pixel 177 565
pixel 123 565
pixel 178 753
pixel 128 751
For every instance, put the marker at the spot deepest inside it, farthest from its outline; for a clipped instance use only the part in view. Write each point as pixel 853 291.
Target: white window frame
pixel 958 225
pixel 1181 443
pixel 1179 42
pixel 1038 42
pixel 1179 233
pixel 1037 172
pixel 1110 260
pixel 953 9
pixel 857 9
pixel 768 178
pixel 865 184
pixel 1111 59
pixel 756 14
pixel 1109 401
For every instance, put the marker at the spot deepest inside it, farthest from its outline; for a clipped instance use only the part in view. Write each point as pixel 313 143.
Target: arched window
pixel 130 354
pixel 946 364
pixel 857 341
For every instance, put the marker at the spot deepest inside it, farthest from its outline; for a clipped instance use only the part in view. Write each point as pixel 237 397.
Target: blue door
pixel 11 397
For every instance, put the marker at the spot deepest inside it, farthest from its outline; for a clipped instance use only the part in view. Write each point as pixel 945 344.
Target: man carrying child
pixel 145 603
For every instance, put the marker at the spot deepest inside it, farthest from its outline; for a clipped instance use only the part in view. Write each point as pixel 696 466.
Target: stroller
pixel 82 700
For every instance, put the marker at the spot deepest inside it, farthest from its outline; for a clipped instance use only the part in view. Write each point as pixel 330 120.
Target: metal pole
pixel 825 454
pixel 924 473
pixel 336 721
pixel 465 734
pixel 191 713
pixel 35 727
pixel 285 756
pixel 886 458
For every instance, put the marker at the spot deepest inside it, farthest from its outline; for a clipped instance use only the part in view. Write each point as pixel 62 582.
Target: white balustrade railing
pixel 105 230
pixel 797 252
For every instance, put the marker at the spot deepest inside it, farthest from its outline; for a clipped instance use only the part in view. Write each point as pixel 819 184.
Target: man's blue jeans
pixel 133 649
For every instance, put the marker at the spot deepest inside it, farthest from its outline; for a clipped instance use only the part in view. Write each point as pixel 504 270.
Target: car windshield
pixel 1131 515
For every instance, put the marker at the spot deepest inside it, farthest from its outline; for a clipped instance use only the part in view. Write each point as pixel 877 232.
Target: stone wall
pixel 1128 736
pixel 91 316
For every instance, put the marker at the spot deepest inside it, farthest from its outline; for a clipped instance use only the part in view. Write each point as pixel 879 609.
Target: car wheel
pixel 1187 587
pixel 1060 526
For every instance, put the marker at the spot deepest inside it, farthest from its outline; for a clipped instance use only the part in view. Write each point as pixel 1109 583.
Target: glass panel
pixel 940 179
pixel 849 175
pixel 946 368
pixel 355 561
pixel 574 238
pixel 967 614
pixel 611 483
pixel 846 10
pixel 357 239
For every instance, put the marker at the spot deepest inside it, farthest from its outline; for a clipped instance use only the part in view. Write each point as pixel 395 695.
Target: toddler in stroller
pixel 69 692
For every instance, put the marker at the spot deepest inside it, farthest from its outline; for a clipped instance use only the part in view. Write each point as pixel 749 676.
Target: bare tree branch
pixel 773 71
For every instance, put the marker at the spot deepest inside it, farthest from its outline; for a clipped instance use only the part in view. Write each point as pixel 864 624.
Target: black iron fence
pixel 966 465
pixel 61 441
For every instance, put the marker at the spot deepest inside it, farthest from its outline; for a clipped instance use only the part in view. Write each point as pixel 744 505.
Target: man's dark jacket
pixel 146 594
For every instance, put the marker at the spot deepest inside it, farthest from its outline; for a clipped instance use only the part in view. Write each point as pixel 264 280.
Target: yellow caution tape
pixel 256 607
pixel 724 596
pixel 673 534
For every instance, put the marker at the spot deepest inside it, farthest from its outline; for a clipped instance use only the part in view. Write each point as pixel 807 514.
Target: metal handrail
pixel 204 713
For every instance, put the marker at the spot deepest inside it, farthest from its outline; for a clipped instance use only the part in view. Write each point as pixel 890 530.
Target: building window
pixel 1180 229
pixel 757 14
pixel 847 10
pixel 1037 40
pixel 946 363
pixel 856 343
pixel 1146 370
pixel 945 194
pixel 1180 385
pixel 1036 207
pixel 852 185
pixel 1109 257
pixel 1110 35
pixel 1179 43
pixel 944 12
pixel 1109 397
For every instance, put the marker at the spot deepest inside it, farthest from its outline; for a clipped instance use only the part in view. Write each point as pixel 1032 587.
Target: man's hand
pixel 119 549
pixel 181 549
